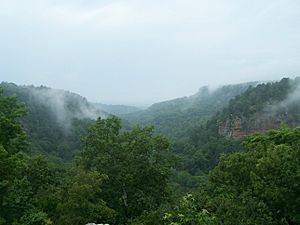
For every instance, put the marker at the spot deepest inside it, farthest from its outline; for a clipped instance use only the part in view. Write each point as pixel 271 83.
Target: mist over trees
pixel 175 117
pixel 55 120
pixel 233 164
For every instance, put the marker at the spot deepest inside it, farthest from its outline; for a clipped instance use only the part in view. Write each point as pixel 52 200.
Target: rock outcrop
pixel 238 127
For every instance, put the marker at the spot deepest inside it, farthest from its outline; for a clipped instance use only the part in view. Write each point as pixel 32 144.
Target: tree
pixel 12 136
pixel 16 190
pixel 260 185
pixel 136 162
pixel 188 212
pixel 34 191
pixel 79 201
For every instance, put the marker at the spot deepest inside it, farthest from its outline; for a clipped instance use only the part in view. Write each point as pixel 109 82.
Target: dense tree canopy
pixel 12 136
pixel 136 162
pixel 17 184
pixel 134 176
pixel 260 185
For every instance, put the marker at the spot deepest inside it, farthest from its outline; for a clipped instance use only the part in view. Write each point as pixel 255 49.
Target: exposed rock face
pixel 261 108
pixel 233 128
pixel 238 127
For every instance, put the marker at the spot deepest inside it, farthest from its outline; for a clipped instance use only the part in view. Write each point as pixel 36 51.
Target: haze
pixel 139 52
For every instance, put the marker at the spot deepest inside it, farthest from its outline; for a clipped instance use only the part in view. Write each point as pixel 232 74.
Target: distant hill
pixel 117 110
pixel 261 108
pixel 173 118
pixel 56 118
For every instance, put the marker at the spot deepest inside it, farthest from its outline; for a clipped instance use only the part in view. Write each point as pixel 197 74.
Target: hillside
pixel 117 110
pixel 133 176
pixel 55 119
pixel 175 117
pixel 262 108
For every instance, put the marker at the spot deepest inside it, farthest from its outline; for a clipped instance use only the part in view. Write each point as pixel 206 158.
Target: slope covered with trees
pixel 173 118
pixel 106 182
pixel 258 109
pixel 117 110
pixel 261 108
pixel 134 176
pixel 257 186
pixel 55 119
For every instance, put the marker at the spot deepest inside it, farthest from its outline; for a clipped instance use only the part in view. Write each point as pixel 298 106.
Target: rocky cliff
pixel 238 127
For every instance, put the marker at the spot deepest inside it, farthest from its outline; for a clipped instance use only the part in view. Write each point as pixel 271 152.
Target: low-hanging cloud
pixel 287 107
pixel 64 105
pixel 293 97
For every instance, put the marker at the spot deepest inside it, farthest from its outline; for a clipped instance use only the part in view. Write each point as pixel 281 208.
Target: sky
pixel 143 51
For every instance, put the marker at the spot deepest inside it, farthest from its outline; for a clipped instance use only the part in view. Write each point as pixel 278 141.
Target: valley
pixel 192 160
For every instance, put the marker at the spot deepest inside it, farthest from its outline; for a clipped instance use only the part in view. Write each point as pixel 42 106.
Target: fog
pixel 294 96
pixel 288 106
pixel 65 106
pixel 141 52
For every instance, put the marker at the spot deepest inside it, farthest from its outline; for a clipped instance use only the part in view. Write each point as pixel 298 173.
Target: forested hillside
pixel 259 109
pixel 262 108
pixel 173 118
pixel 61 165
pixel 55 119
pixel 105 183
pixel 259 185
pixel 117 110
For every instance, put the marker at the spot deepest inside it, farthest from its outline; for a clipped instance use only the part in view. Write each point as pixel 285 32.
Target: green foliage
pixel 187 212
pixel 15 190
pixel 55 120
pixel 176 117
pixel 261 108
pixel 261 185
pixel 23 188
pixel 136 162
pixel 34 217
pixel 257 186
pixel 117 110
pixel 125 176
pixel 79 201
pixel 20 177
pixel 12 137
pixel 149 217
pixel 255 99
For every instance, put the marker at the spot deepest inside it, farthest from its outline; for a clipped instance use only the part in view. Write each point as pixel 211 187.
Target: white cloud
pixel 111 15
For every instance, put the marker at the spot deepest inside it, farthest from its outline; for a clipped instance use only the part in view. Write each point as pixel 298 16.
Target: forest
pixel 224 157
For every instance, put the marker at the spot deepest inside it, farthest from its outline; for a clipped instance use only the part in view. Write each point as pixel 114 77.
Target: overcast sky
pixel 144 51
